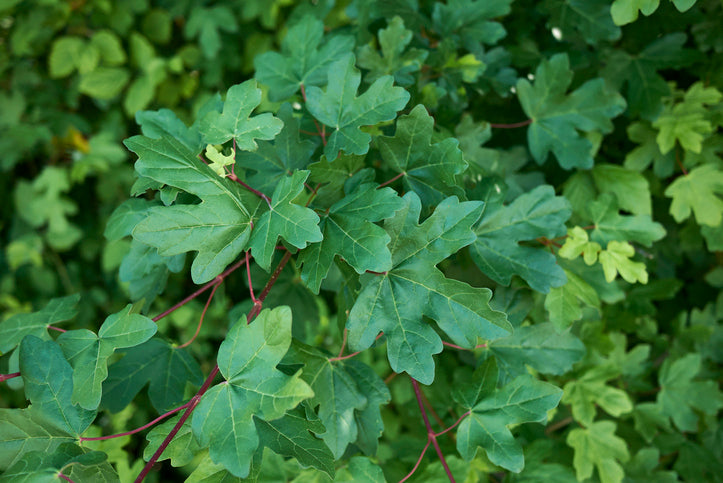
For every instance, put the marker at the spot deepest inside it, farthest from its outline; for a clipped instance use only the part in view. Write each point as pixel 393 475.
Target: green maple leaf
pixel 392 60
pixel 616 259
pixel 182 448
pixel 631 189
pixel 67 459
pixel 26 430
pixel 165 368
pixel 642 468
pixel 522 400
pixel 587 18
pixel 291 436
pixel 638 72
pixel 349 231
pixel 306 60
pixel 687 121
pixel 48 380
pixel 276 159
pixel 698 192
pixel 597 446
pixel 648 152
pixel 626 11
pixel 15 328
pixel 496 251
pixel 557 117
pixel 340 108
pixel 224 418
pixel 680 394
pixel 296 224
pixel 348 395
pixel 577 243
pixel 611 226
pixel 332 176
pixel 396 301
pixel 470 21
pixel 428 169
pixel 218 228
pixel 563 303
pixel 590 391
pixel 234 121
pixel 206 24
pixel 88 353
pixel 164 122
pixel 541 347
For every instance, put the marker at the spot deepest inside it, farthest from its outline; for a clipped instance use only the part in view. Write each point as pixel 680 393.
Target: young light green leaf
pixel 626 11
pixel 305 60
pixel 224 418
pixel 597 446
pixel 296 224
pixel 166 369
pixel 590 391
pixel 234 121
pixel 428 169
pixel 339 107
pixel 680 394
pixel 698 192
pixel 15 328
pixel 349 231
pixel 276 159
pixel 219 161
pixel 392 60
pixel 577 243
pixel 616 259
pixel 522 400
pixel 48 382
pixel 497 252
pixel 557 117
pixel 218 228
pixel 395 302
pixel 89 353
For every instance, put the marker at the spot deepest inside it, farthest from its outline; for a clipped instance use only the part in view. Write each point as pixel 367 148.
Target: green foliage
pixel 396 285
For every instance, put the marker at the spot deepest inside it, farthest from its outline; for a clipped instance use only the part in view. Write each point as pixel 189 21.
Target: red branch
pixel 5 377
pixel 258 193
pixel 63 477
pixel 392 180
pixel 52 327
pixel 455 346
pixel 145 426
pixel 513 125
pixel 203 314
pixel 431 435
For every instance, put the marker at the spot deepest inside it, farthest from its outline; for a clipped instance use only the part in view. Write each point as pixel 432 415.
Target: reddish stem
pixel 303 91
pixel 455 424
pixel 198 292
pixel 63 477
pixel 313 194
pixel 343 343
pixel 258 193
pixel 349 356
pixel 145 426
pixel 680 164
pixel 203 314
pixel 513 125
pixel 430 434
pixel 5 377
pixel 191 405
pixel 455 346
pixel 52 327
pixel 392 180
pixel 391 376
pixel 419 460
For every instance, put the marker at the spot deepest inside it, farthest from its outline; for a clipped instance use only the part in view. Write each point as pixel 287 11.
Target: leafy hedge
pixel 474 240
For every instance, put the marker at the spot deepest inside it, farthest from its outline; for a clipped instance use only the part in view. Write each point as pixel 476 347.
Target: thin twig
pixel 430 434
pixel 52 327
pixel 203 314
pixel 137 430
pixel 392 180
pixel 513 125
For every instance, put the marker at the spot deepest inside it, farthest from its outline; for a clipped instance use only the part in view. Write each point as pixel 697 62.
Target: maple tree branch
pixel 512 125
pixel 259 302
pixel 191 405
pixel 419 460
pixel 203 314
pixel 145 426
pixel 198 292
pixel 431 436
pixel 258 193
pixel 392 180
pixel 5 377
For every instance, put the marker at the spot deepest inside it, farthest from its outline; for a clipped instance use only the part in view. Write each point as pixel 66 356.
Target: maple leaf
pixel 557 117
pixel 25 430
pixel 224 418
pixel 340 108
pixel 470 21
pixel 164 122
pixel 648 152
pixel 492 409
pixel 577 243
pixel 88 353
pixel 165 369
pixel 182 448
pixel 15 328
pixel 278 158
pixel 616 259
pixel 296 224
pixel 306 60
pixel 591 391
pixel 206 24
pixel 348 395
pixel 428 169
pixel 68 459
pixel 396 301
pixel 597 446
pixel 218 228
pixel 496 251
pixel 234 121
pixel 219 161
pixel 349 231
pixel 626 11
pixel 631 189
pixel 687 121
pixel 698 192
pixel 563 303
pixel 392 60
pixel 611 226
pixel 587 18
